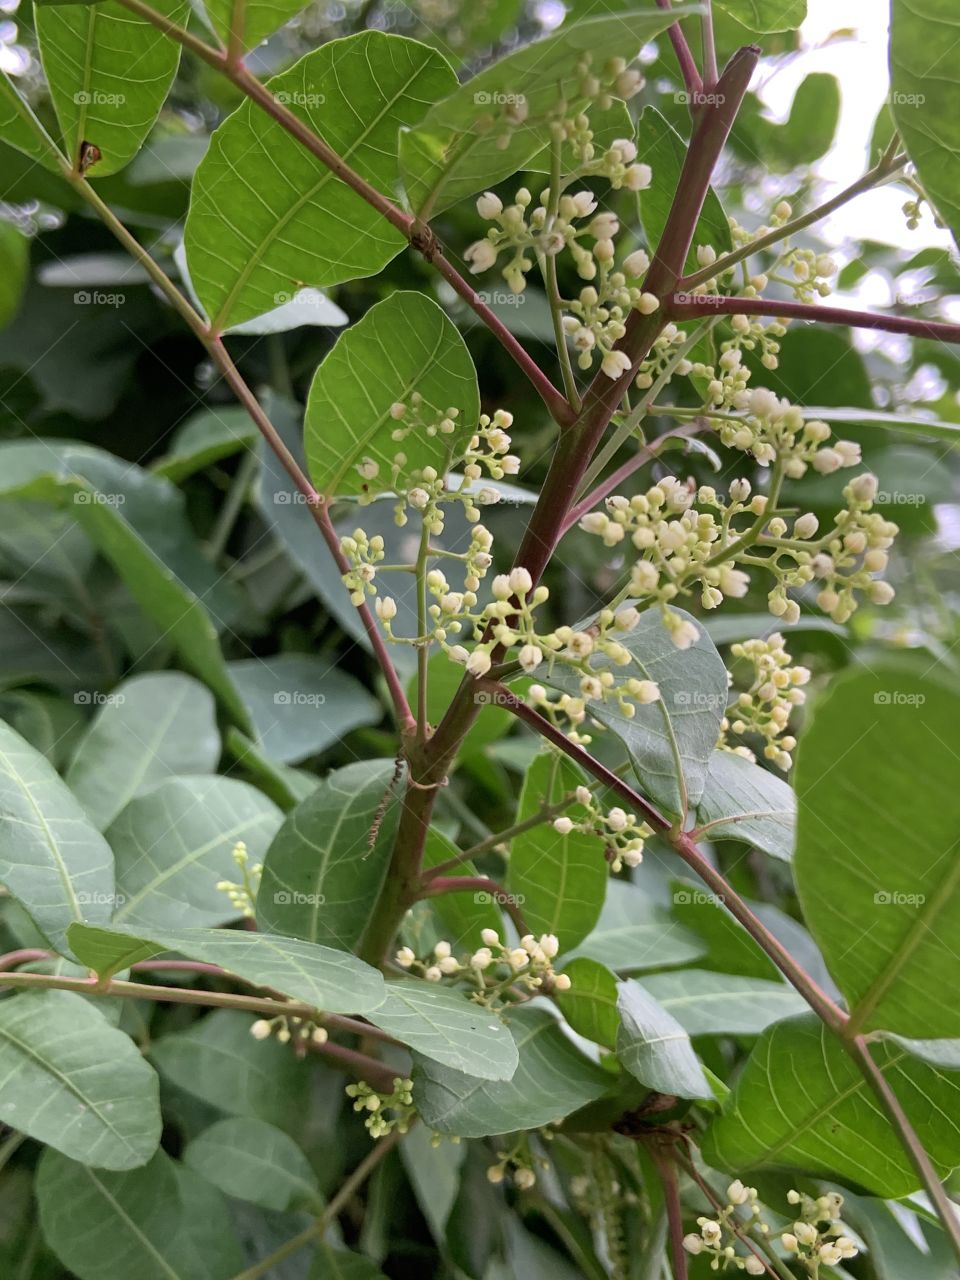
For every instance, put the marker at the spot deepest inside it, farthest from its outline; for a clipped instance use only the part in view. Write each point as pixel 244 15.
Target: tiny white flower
pixel 615 364
pixel 386 608
pixel 636 264
pixel 563 825
pixel 489 205
pixel 530 657
pixel 261 1029
pixel 648 304
pixel 405 957
pixel 562 982
pixel 481 255
pixel 490 937
pixel 479 662
pixel 520 581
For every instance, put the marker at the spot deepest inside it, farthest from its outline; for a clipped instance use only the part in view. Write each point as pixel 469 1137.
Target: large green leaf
pixel 300 704
pixel 670 741
pixel 801 1103
pixel 447 1027
pixel 742 801
pixel 764 16
pixel 661 147
pixel 911 423
pixel 560 880
pixel 402 346
pixel 321 876
pixel 459 146
pixel 634 934
pixel 462 917
pixel 267 217
pixel 218 1061
pixel 923 81
pixel 14 266
pixel 328 979
pixel 654 1047
pixel 249 22
pixel 161 1222
pixel 147 729
pixel 876 865
pixel 73 1081
pixel 590 1003
pixel 252 1160
pixel 175 843
pixel 714 1004
pixel 21 129
pixel 109 72
pixel 52 858
pixel 207 437
pixel 552 1081
pixel 139 523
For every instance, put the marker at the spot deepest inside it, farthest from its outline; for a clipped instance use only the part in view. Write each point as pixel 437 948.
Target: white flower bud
pixel 405 957
pixel 490 937
pixel 489 205
pixel 261 1029
pixel 563 825
pixel 479 662
pixel 386 608
pixel 648 304
pixel 562 982
pixel 481 255
pixel 806 526
pixel 520 581
pixel 615 364
pixel 637 264
pixel 530 657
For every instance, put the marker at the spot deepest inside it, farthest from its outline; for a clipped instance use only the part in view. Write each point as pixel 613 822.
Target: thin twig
pixel 688 67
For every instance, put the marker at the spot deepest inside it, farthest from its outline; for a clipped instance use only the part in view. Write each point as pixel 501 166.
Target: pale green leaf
pixel 21 129
pixel 764 16
pixel 590 1004
pixel 654 1047
pixel 670 741
pixel 249 22
pixel 321 875
pixel 742 801
pixel 560 881
pixel 462 916
pixel 207 437
pixel 300 704
pixel 328 979
pixel 173 845
pixel 341 1264
pixel 434 1171
pixel 267 217
pixel 634 934
pixel 71 1080
pixel 910 423
pixel 876 865
pixel 802 1103
pixel 160 1222
pixel 553 1080
pixel 447 1027
pixel 466 142
pixel 402 347
pixel 52 858
pixel 252 1160
pixel 714 1004
pixel 147 729
pixel 14 267
pixel 923 81
pixel 109 72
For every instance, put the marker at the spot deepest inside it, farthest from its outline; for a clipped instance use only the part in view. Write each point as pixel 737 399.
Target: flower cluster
pixel 519 1164
pixel 816 1238
pixel 494 967
pixel 384 1112
pixel 243 895
pixel 363 554
pixel 849 558
pixel 622 833
pixel 299 1031
pixel 764 709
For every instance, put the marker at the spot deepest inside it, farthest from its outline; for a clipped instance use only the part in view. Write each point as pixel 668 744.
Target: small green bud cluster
pixel 384 1112
pixel 622 833
pixel 299 1031
pixel 764 709
pixel 519 1164
pixel 494 967
pixel 363 554
pixel 243 895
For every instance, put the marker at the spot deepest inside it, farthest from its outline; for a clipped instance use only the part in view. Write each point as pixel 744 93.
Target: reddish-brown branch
pixel 477 884
pixel 667 1169
pixel 688 67
pixel 688 306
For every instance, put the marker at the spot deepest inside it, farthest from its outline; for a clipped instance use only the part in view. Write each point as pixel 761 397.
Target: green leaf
pixel 923 96
pixel 209 436
pixel 252 1160
pixel 728 946
pixel 109 74
pixel 722 1004
pixel 882 896
pixel 52 858
pixel 249 22
pixel 801 1103
pixel 462 916
pixel 21 129
pixel 73 1081
pixel 765 16
pixel 446 1027
pixel 634 934
pixel 742 801
pixel 267 217
pixel 219 1061
pixel 654 1047
pixel 809 131
pixel 560 880
pixel 434 1172
pixel 147 729
pixel 403 346
pixel 341 1264
pixel 139 523
pixel 552 1080
pixel 175 843
pixel 300 705
pixel 590 1005
pixel 661 147
pixel 459 146
pixel 911 423
pixel 160 1222
pixel 321 877
pixel 328 979
pixel 14 267
pixel 671 741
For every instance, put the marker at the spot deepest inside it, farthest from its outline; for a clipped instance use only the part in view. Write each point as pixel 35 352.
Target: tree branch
pixel 477 884
pixel 686 306
pixel 688 67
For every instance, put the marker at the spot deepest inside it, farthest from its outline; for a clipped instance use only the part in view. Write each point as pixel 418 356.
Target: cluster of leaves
pixel 188 697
